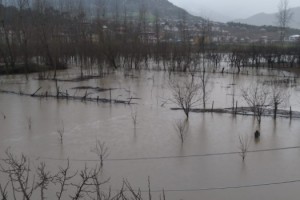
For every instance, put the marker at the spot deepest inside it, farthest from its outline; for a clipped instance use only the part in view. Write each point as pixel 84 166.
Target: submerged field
pixel 207 165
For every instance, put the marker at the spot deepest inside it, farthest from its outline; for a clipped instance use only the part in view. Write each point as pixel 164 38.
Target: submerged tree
pixel 101 150
pixel 134 117
pixel 278 97
pixel 204 78
pixel 185 94
pixel 257 99
pixel 244 145
pixel 61 131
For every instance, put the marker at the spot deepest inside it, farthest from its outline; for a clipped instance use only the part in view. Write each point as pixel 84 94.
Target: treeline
pixel 40 35
pixel 270 56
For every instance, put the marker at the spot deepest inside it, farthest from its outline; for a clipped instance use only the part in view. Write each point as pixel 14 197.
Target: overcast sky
pixel 232 8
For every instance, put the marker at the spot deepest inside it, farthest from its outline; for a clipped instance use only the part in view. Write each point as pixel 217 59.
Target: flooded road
pixel 206 166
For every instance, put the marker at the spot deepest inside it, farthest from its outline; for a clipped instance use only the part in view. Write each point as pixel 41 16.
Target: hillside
pixel 252 32
pixel 270 19
pixel 163 8
pixel 260 19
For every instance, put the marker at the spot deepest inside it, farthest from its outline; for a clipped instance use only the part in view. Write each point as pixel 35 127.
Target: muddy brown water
pixel 198 169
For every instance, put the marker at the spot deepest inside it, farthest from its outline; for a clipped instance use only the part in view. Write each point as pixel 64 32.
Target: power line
pixel 226 188
pixel 200 155
pixel 171 157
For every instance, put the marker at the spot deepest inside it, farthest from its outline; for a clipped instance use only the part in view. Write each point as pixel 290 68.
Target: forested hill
pixel 111 8
pixel 163 8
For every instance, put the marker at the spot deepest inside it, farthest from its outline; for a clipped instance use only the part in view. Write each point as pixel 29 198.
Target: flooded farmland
pixel 207 165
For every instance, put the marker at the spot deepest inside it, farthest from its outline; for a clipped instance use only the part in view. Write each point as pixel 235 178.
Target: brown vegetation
pixel 26 182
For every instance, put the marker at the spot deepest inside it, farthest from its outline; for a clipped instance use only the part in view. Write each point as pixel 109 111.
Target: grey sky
pixel 232 8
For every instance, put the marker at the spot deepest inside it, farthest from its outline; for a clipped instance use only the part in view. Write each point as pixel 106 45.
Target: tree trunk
pixel 275 110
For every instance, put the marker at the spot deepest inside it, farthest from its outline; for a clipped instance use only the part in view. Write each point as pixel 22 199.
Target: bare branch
pixel 18 170
pixel 185 95
pixel 244 145
pixel 61 132
pixel 3 191
pixel 101 150
pixel 257 98
pixel 44 179
pixel 62 178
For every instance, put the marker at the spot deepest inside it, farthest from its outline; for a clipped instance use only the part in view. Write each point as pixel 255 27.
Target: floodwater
pixel 200 168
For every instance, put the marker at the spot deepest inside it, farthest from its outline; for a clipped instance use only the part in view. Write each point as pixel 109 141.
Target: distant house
pixel 264 39
pixel 215 29
pixel 294 38
pixel 148 37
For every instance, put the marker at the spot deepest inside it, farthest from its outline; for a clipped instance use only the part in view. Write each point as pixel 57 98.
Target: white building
pixel 294 38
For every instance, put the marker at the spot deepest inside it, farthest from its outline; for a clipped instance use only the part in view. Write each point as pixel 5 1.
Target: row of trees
pixel 191 93
pixel 54 36
pixel 259 98
pixel 264 56
pixel 59 33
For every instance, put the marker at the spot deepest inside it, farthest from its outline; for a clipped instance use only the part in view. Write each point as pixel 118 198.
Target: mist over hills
pixel 271 19
pixel 210 14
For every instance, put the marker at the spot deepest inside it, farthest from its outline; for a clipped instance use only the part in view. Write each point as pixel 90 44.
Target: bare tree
pixel 97 182
pixel 257 99
pixel 3 192
pixel 284 17
pixel 244 145
pixel 134 117
pixel 183 27
pixel 204 78
pixel 206 33
pixel 24 31
pixel 82 187
pixel 185 94
pixel 19 173
pixel 181 127
pixel 100 6
pixel 279 96
pixel 8 46
pixel 101 150
pixel 157 26
pixel 87 184
pixel 62 178
pixel 44 179
pixel 142 18
pixel 61 131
